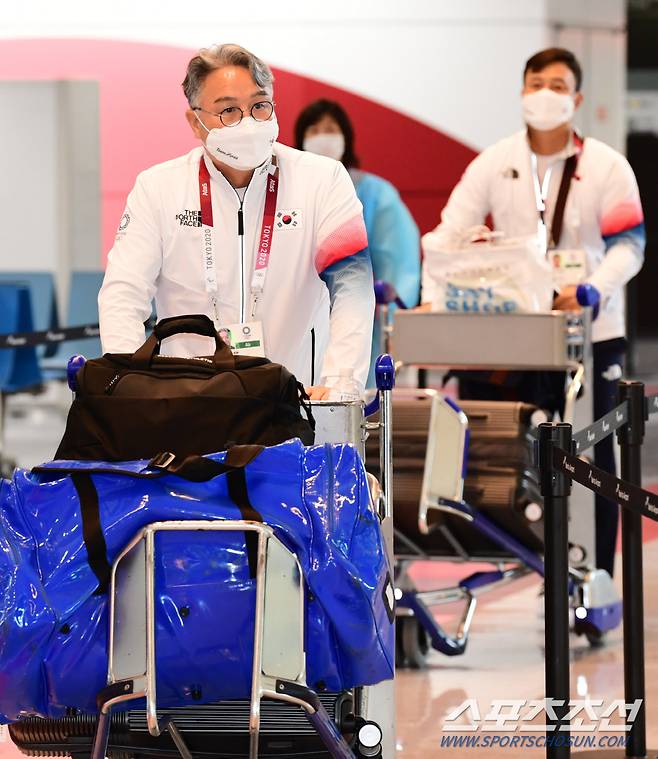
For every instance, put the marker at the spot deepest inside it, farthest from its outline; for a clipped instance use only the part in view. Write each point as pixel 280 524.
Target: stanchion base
pixel 614 753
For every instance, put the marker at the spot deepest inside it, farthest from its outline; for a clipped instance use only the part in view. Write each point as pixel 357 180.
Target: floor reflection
pixel 505 660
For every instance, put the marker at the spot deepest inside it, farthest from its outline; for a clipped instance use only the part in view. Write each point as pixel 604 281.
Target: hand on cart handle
pixel 573 296
pixel 386 294
pixel 318 392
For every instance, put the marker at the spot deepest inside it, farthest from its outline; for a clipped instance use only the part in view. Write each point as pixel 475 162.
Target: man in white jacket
pixel 266 240
pixel 516 182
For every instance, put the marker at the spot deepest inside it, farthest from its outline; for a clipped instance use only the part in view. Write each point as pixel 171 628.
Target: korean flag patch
pixel 289 219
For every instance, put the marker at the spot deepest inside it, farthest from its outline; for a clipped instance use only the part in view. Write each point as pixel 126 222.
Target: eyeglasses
pixel 232 116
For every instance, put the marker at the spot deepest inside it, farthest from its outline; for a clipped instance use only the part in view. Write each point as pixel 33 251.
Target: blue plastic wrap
pixel 53 629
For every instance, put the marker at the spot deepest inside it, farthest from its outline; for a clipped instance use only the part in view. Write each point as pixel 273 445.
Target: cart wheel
pixel 596 639
pixel 415 643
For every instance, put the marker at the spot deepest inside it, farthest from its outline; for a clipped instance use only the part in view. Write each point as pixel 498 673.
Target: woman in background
pixel 324 127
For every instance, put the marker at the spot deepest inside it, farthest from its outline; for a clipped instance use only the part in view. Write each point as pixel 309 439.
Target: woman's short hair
pixel 316 111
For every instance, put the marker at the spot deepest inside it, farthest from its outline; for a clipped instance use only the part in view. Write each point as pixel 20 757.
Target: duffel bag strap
pixel 305 403
pixel 193 468
pixel 201 469
pixel 92 531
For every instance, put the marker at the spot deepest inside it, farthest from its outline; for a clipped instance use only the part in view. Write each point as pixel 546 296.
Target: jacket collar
pixel 215 174
pixel 573 147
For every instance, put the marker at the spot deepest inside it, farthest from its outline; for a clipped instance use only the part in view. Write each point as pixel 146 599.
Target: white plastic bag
pixel 489 273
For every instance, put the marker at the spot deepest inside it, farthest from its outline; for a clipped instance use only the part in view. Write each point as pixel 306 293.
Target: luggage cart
pixel 284 718
pixel 552 341
pixel 559 341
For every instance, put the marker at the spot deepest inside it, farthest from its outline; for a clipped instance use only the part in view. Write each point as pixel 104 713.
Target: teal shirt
pixel 393 244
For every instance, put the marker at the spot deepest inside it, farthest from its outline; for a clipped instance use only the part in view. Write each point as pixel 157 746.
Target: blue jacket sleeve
pixel 394 246
pixel 393 237
pixel 352 303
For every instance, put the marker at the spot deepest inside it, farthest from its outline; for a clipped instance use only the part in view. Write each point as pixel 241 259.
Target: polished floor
pixel 504 659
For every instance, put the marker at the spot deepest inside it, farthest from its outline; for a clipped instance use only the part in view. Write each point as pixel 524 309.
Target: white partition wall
pixel 29 205
pixel 50 193
pixel 596 32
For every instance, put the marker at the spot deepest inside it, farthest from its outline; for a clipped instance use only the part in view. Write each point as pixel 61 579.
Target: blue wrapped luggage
pixel 63 524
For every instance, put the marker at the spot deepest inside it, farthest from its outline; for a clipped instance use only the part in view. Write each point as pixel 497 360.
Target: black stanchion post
pixel 555 488
pixel 630 438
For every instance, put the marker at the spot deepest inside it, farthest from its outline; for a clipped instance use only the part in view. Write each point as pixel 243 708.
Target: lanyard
pixel 263 252
pixel 541 193
pixel 541 190
pixel 265 245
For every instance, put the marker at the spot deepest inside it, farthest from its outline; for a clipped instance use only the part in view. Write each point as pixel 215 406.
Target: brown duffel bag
pixel 134 406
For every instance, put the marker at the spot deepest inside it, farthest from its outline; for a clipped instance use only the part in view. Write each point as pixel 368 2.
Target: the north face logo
pixel 189 218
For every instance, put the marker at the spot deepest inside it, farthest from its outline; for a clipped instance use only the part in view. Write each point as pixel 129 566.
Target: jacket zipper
pixel 241 236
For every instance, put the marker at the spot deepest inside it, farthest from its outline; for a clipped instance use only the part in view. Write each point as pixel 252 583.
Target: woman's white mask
pixel 331 145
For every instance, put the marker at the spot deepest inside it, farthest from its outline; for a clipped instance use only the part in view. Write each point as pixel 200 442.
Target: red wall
pixel 142 121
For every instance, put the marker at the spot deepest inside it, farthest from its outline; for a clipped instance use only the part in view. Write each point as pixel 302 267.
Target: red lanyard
pixel 262 259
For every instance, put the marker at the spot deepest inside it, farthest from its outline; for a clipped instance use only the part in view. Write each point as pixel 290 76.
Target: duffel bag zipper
pixel 112 384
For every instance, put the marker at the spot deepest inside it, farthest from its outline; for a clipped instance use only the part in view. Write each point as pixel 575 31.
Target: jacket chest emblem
pixel 289 219
pixel 189 218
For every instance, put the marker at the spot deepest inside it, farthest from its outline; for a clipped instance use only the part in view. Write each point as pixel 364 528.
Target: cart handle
pixel 385 294
pixel 385 380
pixel 75 363
pixel 588 295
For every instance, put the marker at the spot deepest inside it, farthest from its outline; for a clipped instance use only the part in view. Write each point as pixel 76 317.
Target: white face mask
pixel 245 146
pixel 545 109
pixel 331 145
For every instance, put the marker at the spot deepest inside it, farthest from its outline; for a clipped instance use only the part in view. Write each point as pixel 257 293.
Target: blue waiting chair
pixel 19 366
pixel 41 285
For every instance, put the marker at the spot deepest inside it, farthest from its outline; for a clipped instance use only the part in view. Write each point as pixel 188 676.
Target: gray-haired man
pixel 266 240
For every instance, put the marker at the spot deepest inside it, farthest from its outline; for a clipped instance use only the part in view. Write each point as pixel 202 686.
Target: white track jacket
pixel 603 215
pixel 318 223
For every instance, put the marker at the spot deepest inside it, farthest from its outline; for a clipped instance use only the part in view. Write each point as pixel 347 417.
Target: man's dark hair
pixel 544 58
pixel 313 113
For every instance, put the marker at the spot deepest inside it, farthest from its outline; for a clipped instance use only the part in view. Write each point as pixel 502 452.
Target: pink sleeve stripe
pixel 344 241
pixel 624 216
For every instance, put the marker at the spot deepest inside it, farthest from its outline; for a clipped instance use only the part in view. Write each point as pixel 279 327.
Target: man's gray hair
pixel 210 59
